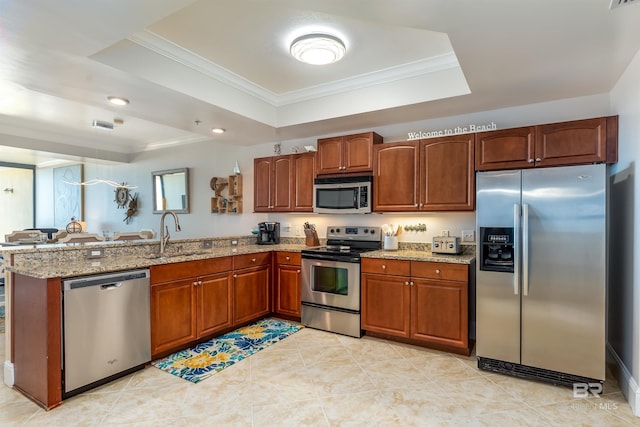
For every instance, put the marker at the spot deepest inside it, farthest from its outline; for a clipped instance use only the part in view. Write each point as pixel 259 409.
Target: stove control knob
pixel 337 230
pixel 332 231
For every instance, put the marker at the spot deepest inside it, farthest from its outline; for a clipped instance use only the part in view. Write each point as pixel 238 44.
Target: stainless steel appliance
pixel 106 327
pixel 445 245
pixel 541 273
pixel 268 233
pixel 342 195
pixel 331 279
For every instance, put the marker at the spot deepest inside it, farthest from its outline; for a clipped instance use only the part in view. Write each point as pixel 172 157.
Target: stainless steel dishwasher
pixel 106 325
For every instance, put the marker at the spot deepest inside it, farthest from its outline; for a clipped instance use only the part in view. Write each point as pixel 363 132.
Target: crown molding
pixel 174 52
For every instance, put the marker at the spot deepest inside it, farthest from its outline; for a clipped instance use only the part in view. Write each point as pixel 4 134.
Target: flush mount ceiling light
pixel 217 130
pixel 117 100
pixel 318 49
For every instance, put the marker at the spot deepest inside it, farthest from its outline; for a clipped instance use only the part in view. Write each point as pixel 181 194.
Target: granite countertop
pixel 422 255
pixel 49 261
pixel 59 266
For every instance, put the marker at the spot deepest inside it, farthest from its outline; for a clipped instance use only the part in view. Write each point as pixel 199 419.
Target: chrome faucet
pixel 164 231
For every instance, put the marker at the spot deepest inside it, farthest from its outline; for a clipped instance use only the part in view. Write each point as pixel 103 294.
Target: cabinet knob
pixel 530 160
pixel 235 275
pixel 195 283
pixel 411 283
pixel 437 271
pixel 298 271
pixel 287 258
pixel 406 283
pixel 538 159
pixel 253 260
pixel 384 267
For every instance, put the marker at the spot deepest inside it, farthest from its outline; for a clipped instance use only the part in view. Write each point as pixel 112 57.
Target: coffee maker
pixel 268 233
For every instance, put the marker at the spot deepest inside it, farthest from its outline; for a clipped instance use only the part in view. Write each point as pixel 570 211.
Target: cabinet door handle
pixel 406 283
pixel 253 260
pixel 298 271
pixel 235 275
pixel 530 160
pixel 287 258
pixel 538 159
pixel 195 283
pixel 384 267
pixel 411 283
pixel 437 271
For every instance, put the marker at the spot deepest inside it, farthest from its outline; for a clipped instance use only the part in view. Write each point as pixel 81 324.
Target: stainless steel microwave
pixel 343 195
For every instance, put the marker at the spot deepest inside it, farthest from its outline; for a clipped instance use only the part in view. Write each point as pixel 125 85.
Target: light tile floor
pixel 315 378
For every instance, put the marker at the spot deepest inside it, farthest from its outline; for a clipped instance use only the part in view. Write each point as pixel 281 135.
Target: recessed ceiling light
pixel 117 100
pixel 217 130
pixel 318 49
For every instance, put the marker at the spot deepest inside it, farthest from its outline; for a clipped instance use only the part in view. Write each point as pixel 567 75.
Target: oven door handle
pixel 335 258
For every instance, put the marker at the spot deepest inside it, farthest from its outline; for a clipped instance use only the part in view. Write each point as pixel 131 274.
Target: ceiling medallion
pixel 318 49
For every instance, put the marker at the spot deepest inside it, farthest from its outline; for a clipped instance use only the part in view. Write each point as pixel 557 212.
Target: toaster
pixel 445 245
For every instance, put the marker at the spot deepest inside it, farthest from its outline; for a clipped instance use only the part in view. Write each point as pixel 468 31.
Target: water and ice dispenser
pixel 496 249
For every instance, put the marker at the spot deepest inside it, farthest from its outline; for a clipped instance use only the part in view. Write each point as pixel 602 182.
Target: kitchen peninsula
pixel 236 272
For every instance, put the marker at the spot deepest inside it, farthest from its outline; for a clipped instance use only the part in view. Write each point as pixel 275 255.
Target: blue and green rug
pixel 202 361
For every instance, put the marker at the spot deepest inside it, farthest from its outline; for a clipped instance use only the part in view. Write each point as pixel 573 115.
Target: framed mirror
pixel 171 191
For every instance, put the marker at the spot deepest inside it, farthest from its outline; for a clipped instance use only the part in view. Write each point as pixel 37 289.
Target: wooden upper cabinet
pixel 281 190
pixel 284 183
pixel 395 176
pixel 346 154
pixel 329 156
pixel 304 171
pixel 555 144
pixel 447 179
pixel 575 142
pixel 505 149
pixel 262 168
pixel 428 175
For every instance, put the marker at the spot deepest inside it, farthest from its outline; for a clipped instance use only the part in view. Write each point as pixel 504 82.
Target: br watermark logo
pixel 584 390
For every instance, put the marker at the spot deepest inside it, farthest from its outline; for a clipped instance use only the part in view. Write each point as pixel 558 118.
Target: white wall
pixel 624 293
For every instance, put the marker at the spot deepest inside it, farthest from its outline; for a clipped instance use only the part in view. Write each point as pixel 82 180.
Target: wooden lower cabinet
pixel 214 303
pixel 173 314
pixel 422 301
pixel 287 284
pixel 37 338
pixel 250 294
pixel 186 306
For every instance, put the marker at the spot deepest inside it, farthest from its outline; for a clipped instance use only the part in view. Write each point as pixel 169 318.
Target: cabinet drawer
pixel 291 258
pixel 181 270
pixel 251 260
pixel 440 270
pixel 394 267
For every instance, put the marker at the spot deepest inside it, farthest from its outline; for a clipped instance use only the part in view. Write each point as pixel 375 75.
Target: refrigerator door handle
pixel 525 249
pixel 516 246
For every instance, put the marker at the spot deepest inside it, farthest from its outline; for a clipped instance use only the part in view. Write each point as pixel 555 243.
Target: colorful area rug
pixel 204 360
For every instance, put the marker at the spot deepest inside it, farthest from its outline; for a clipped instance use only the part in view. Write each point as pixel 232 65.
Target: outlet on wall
pixel 468 235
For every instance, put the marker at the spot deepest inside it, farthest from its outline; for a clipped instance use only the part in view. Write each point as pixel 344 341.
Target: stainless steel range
pixel 331 279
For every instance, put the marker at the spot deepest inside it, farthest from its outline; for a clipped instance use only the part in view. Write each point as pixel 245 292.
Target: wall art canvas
pixel 67 200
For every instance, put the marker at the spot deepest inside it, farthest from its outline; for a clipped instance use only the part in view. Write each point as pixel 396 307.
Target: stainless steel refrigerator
pixel 541 272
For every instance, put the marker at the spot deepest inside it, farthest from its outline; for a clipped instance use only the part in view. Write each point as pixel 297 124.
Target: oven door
pixel 331 283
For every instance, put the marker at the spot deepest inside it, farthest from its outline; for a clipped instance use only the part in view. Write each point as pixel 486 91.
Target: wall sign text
pixel 452 131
